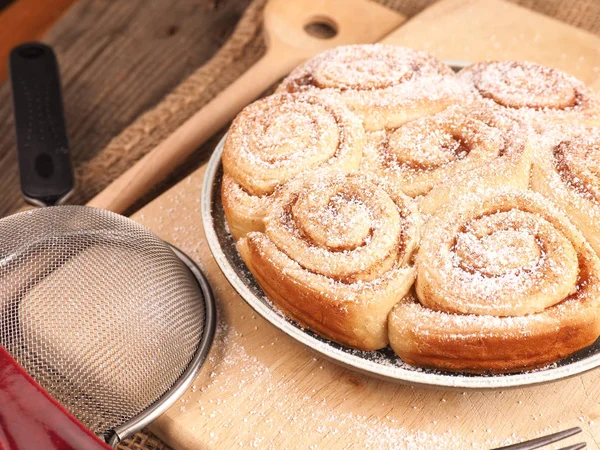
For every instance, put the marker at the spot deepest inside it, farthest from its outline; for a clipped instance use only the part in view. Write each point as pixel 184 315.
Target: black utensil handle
pixel 44 158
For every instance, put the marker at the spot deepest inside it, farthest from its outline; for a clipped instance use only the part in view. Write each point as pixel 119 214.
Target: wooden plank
pixel 117 59
pixel 26 20
pixel 260 388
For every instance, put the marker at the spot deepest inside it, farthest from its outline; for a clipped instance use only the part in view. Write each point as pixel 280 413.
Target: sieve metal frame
pixel 157 408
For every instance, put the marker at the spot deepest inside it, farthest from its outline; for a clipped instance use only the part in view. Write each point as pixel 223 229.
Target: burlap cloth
pixel 243 48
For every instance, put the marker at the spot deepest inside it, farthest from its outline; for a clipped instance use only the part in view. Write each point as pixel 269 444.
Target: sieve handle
pixel 44 158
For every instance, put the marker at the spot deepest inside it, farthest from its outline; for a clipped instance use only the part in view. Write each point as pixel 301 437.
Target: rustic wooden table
pixel 117 59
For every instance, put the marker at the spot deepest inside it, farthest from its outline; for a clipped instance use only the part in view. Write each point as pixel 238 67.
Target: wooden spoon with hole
pixel 286 27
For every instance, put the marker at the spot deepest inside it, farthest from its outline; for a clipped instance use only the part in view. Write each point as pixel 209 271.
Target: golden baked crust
pixel 488 344
pixel 385 85
pixel 335 254
pixel 504 282
pixel 538 94
pixel 277 138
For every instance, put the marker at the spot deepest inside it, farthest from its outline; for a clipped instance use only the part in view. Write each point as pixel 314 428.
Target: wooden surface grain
pixel 117 59
pixel 261 388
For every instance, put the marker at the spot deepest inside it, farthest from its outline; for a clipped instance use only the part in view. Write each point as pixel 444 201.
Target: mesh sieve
pixel 103 314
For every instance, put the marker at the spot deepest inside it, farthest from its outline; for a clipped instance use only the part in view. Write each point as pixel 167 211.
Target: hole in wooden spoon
pixel 321 28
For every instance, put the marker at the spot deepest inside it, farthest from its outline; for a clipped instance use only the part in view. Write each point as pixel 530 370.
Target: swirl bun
pixel 277 138
pixel 451 153
pixel 567 170
pixel 385 85
pixel 504 282
pixel 343 242
pixel 532 91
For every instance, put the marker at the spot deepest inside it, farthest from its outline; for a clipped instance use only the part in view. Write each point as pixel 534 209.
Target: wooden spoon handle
pixel 171 152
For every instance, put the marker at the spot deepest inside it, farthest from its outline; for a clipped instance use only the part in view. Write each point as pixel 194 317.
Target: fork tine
pixel 574 447
pixel 544 440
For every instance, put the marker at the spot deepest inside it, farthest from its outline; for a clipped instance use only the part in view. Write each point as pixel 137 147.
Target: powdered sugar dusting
pixel 461 269
pixel 533 92
pixel 385 85
pixel 526 84
pixel 278 137
pixel 343 226
pixel 566 171
pixel 435 149
pixel 363 67
pixel 577 160
pixel 250 398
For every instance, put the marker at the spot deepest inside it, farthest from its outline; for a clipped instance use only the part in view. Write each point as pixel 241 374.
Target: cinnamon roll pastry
pixel 385 85
pixel 277 138
pixel 454 152
pixel 534 92
pixel 504 282
pixel 567 170
pixel 335 254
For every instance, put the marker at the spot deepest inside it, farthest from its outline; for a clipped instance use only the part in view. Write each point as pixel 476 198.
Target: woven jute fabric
pixel 143 441
pixel 243 49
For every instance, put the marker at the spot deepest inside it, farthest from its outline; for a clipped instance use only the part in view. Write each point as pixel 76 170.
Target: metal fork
pixel 546 440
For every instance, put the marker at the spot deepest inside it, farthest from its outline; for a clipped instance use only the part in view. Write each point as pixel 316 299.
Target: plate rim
pixel 421 378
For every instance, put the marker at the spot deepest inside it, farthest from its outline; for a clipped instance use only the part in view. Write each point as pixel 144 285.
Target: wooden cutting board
pixel 476 30
pixel 261 389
